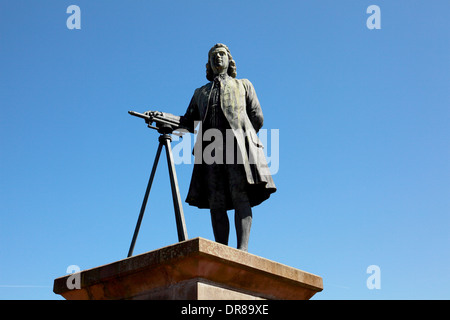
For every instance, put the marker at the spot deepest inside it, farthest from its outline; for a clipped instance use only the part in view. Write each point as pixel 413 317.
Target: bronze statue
pixel 240 179
pixel 230 169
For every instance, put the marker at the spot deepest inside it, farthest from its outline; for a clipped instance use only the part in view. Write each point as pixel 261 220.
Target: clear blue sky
pixel 363 117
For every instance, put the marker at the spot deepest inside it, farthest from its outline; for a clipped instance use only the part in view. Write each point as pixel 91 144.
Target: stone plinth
pixel 196 269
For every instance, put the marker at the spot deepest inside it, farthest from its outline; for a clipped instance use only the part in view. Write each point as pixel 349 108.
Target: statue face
pixel 219 61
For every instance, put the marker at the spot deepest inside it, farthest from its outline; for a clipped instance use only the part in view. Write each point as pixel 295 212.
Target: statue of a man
pixel 239 177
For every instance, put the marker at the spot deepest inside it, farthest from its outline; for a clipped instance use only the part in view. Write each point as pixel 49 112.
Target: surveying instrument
pixel 165 124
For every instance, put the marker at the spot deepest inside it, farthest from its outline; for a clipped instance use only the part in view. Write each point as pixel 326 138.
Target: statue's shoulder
pixel 245 82
pixel 203 89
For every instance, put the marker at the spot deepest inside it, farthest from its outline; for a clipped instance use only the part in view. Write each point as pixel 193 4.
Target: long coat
pixel 243 112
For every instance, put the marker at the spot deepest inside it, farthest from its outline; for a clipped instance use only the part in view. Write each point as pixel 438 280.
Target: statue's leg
pixel 243 223
pixel 217 187
pixel 242 209
pixel 221 225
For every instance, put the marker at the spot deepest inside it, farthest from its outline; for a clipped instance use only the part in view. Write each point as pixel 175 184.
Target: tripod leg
pixel 179 215
pixel 144 202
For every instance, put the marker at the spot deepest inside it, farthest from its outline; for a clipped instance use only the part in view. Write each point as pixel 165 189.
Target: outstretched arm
pixel 188 120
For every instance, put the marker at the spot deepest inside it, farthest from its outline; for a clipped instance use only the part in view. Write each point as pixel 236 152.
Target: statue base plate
pixel 196 269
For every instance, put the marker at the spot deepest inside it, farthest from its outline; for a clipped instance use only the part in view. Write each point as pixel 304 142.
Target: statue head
pixel 220 61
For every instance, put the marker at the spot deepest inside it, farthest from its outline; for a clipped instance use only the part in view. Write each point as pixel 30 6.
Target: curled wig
pixel 231 64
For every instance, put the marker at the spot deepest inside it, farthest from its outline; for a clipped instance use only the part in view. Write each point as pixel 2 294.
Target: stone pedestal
pixel 196 269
